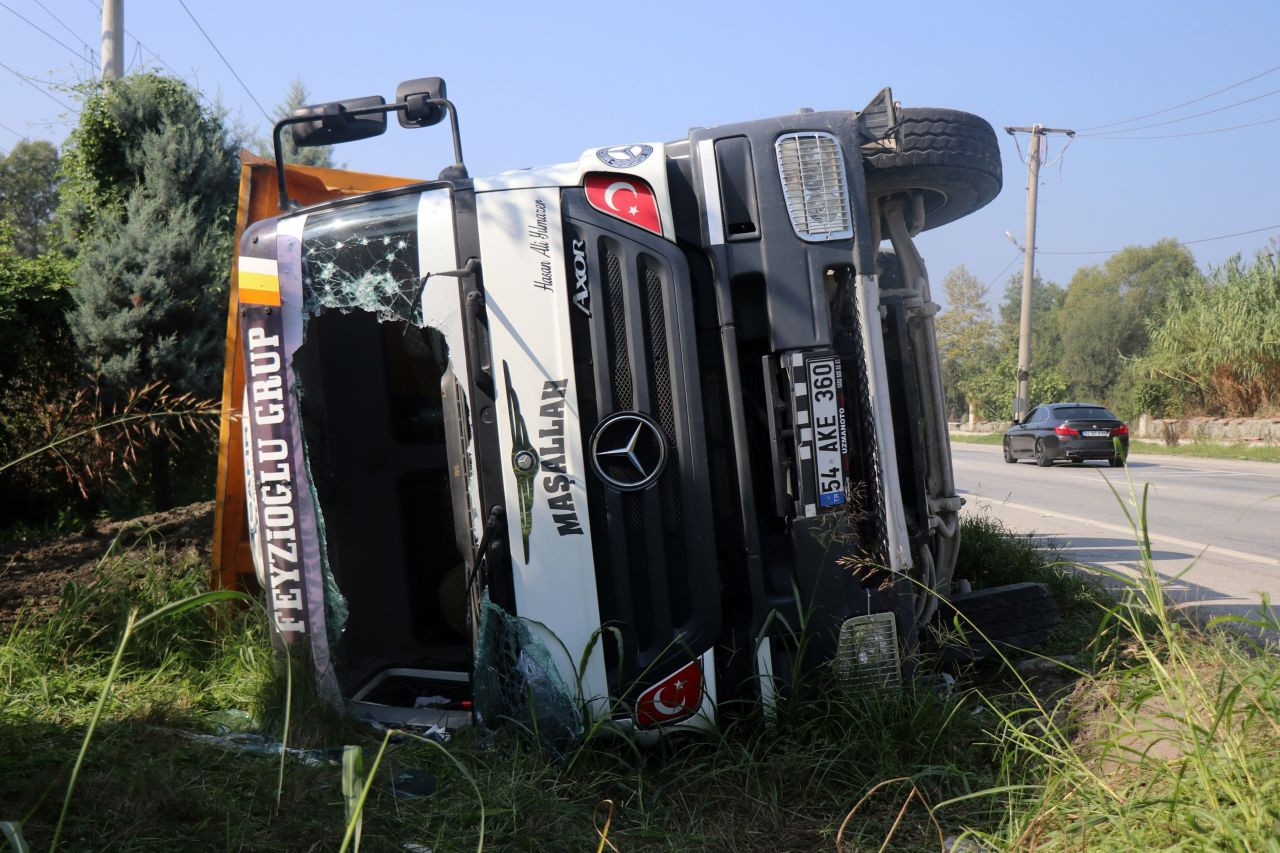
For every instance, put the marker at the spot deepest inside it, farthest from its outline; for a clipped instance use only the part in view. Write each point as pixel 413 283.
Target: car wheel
pixel 1042 458
pixel 1077 461
pixel 1008 453
pixel 1117 461
pixel 952 156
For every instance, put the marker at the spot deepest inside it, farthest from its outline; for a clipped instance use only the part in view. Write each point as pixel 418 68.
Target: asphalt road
pixel 1214 524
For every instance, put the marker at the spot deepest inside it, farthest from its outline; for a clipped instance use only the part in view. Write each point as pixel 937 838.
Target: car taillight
pixel 1123 429
pixel 1063 429
pixel 627 198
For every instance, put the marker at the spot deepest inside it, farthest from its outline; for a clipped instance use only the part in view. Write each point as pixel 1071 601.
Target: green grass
pixel 1173 743
pixel 995 438
pixel 1205 450
pixel 142 784
pixel 987 757
pixel 992 555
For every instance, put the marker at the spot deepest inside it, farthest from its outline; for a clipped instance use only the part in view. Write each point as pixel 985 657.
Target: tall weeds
pixel 1219 344
pixel 1173 743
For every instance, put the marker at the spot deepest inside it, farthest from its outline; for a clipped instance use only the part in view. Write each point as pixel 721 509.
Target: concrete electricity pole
pixel 1037 131
pixel 112 39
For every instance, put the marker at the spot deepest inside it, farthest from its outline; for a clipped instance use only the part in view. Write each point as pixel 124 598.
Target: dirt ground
pixel 32 575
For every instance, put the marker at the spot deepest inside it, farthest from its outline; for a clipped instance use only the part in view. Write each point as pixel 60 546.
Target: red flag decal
pixel 674 698
pixel 625 197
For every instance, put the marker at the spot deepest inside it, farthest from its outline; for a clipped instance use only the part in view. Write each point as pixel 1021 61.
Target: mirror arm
pixel 458 169
pixel 277 144
pixel 457 137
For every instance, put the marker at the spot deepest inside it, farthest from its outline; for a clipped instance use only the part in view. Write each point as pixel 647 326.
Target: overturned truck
pixel 624 439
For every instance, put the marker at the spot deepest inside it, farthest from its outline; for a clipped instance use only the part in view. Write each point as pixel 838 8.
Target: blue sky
pixel 537 83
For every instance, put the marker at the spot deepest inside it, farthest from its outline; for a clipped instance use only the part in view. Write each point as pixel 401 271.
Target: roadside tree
pixel 29 194
pixel 151 181
pixel 1107 311
pixel 966 341
pixel 1046 332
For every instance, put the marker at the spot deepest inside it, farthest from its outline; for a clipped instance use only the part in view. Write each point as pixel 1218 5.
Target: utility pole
pixel 1037 131
pixel 112 39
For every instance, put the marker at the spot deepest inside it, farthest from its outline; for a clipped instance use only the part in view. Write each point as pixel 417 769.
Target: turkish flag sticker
pixel 625 197
pixel 674 698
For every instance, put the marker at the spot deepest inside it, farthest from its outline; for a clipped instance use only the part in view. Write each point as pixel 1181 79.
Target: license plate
pixel 827 420
pixel 1097 433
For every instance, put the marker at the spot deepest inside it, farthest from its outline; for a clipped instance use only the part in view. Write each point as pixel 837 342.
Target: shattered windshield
pixel 364 257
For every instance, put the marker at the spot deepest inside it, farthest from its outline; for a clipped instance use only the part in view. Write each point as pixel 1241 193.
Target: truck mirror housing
pixel 418 97
pixel 339 121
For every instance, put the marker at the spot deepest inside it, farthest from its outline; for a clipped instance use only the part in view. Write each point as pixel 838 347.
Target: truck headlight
pixel 867 656
pixel 814 184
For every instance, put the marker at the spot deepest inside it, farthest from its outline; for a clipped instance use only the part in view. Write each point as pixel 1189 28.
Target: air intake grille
pixel 811 167
pixel 655 326
pixel 617 331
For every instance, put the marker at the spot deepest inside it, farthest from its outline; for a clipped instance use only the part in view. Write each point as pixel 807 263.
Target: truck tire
pixel 952 156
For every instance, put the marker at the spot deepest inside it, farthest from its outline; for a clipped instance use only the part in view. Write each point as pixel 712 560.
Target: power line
pixel 14 132
pixel 1185 118
pixel 1185 103
pixel 77 54
pixel 247 90
pixel 1179 242
pixel 1189 133
pixel 74 34
pixel 997 276
pixel 29 81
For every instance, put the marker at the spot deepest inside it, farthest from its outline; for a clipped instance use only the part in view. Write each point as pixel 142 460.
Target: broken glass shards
pixel 364 258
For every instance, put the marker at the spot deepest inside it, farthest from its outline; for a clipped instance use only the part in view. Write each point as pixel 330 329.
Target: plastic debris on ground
pixel 437 733
pixel 255 744
pixel 231 721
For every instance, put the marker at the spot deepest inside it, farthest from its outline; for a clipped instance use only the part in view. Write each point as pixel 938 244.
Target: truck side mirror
pixel 339 121
pixel 418 96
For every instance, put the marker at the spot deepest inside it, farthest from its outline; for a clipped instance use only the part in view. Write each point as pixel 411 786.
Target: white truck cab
pixel 601 436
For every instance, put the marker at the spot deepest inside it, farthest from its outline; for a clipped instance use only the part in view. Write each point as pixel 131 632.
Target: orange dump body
pixel 260 199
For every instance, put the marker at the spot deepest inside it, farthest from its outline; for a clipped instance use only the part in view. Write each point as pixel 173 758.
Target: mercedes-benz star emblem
pixel 624 156
pixel 628 451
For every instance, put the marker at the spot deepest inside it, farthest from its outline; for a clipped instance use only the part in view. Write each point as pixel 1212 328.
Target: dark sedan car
pixel 1072 431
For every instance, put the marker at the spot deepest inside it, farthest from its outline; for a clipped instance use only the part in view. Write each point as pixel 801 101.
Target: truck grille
pixel 655 562
pixel 644 383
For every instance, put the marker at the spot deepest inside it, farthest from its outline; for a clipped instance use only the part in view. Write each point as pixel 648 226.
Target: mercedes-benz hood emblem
pixel 628 451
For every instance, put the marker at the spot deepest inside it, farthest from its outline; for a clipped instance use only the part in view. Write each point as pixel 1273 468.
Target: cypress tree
pixel 149 201
pixel 153 197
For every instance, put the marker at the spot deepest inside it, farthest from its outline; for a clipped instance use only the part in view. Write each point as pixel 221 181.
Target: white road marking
pixel 1199 547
